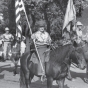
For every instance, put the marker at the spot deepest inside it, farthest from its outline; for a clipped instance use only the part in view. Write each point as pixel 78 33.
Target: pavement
pixel 7 79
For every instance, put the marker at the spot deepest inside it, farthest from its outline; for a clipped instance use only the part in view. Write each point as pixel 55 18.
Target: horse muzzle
pixel 81 67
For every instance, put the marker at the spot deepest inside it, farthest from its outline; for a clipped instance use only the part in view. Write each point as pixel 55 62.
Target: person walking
pixel 7 38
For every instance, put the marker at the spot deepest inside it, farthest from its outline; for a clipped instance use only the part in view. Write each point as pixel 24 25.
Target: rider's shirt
pixel 79 35
pixel 23 45
pixel 41 38
pixel 7 37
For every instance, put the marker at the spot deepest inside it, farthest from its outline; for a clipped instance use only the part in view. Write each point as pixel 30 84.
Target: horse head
pixel 78 57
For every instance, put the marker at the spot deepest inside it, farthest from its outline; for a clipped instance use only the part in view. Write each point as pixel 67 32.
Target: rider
pixel 79 32
pixel 42 40
pixel 7 38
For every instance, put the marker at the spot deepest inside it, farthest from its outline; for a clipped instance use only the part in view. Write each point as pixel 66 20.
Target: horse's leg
pixel 69 77
pixel 22 79
pixel 86 79
pixel 15 70
pixel 27 80
pixel 49 82
pixel 60 83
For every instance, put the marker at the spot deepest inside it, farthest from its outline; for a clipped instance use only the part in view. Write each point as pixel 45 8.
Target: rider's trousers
pixel 6 49
pixel 44 58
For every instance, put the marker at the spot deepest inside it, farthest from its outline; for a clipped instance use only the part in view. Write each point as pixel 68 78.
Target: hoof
pixel 86 80
pixel 14 73
pixel 69 78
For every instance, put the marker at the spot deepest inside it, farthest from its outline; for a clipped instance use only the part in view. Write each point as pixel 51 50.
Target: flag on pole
pixel 19 5
pixel 70 15
pixel 18 8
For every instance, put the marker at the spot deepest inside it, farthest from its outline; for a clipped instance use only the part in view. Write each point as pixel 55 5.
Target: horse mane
pixel 59 54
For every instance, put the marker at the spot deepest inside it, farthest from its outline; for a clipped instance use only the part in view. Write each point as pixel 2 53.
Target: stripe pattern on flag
pixel 18 8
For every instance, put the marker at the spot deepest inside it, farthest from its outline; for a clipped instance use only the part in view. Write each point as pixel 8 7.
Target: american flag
pixel 19 6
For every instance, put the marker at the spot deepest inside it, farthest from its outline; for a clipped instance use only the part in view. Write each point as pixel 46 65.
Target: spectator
pixel 7 38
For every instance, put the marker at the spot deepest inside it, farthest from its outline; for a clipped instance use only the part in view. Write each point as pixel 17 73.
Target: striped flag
pixel 19 6
pixel 69 16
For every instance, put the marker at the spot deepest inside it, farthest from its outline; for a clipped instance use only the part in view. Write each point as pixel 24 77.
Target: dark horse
pixel 83 48
pixel 56 68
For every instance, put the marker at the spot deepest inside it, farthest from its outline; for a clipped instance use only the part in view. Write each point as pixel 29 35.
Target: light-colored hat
pixel 79 23
pixel 6 29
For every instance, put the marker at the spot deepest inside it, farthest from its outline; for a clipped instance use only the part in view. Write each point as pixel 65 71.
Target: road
pixel 7 79
pixel 77 74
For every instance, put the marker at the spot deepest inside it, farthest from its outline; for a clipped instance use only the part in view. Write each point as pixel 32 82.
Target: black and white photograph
pixel 43 43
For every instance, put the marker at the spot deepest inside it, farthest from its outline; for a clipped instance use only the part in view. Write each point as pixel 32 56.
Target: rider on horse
pixel 42 40
pixel 7 38
pixel 79 32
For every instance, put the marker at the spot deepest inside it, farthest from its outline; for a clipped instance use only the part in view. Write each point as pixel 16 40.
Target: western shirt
pixel 41 38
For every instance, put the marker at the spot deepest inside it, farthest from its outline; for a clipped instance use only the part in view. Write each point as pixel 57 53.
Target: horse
pixel 82 47
pixel 75 59
pixel 56 68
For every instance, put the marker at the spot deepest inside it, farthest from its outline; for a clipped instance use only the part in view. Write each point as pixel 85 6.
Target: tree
pixel 3 14
pixel 52 12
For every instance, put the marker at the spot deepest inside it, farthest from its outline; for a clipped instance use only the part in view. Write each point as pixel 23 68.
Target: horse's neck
pixel 60 53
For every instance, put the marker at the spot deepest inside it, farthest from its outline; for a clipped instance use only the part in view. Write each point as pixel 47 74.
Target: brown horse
pixel 56 68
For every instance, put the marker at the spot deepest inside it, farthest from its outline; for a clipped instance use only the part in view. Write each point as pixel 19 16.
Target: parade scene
pixel 43 43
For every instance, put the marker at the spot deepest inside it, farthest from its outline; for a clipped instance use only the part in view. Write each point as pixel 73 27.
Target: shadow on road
pixel 1 76
pixel 43 85
pixel 8 69
pixel 39 84
pixel 76 75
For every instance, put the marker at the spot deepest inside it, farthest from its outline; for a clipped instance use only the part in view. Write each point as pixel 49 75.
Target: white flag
pixel 70 15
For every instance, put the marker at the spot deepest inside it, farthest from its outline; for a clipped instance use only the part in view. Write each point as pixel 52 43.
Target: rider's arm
pixel 12 37
pixel 49 40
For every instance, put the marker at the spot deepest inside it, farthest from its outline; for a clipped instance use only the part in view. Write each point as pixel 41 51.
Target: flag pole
pixel 33 40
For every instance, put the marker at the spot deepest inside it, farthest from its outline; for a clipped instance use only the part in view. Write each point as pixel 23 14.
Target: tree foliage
pixel 52 12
